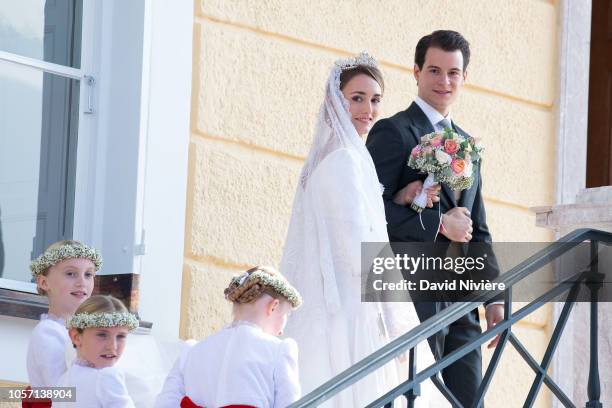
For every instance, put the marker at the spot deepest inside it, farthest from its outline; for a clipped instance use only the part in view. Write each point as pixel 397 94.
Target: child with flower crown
pixel 244 364
pixel 65 274
pixel 98 330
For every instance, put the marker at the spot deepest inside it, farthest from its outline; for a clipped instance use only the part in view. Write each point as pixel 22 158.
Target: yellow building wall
pixel 258 77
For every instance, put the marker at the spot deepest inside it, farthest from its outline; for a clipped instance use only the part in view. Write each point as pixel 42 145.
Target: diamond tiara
pixel 362 59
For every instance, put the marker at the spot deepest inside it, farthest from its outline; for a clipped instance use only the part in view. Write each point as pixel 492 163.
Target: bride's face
pixel 364 96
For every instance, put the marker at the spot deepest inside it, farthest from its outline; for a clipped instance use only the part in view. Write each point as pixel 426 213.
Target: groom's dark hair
pixel 446 40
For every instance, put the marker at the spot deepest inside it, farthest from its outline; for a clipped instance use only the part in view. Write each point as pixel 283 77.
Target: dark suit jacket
pixel 390 142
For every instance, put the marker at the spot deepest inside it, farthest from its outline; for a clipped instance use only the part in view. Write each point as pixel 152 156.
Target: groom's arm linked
pixel 390 148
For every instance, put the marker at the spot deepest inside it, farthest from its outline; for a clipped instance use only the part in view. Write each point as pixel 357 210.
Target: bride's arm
pixel 407 194
pixel 343 216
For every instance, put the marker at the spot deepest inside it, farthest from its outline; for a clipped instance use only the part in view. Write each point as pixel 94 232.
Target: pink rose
pixel 415 152
pixel 436 141
pixel 450 146
pixel 457 165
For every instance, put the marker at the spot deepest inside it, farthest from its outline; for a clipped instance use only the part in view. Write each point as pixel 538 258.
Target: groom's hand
pixel 457 225
pixel 494 314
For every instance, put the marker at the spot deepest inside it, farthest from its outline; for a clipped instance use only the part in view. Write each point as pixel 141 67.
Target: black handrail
pixel 429 327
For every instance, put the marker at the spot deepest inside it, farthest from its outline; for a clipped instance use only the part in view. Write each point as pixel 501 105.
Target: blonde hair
pixel 55 245
pixel 101 304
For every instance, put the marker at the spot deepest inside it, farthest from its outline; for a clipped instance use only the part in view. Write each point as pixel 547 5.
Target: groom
pixel 441 60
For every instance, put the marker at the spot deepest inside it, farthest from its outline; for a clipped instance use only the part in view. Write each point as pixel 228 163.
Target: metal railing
pixel 590 278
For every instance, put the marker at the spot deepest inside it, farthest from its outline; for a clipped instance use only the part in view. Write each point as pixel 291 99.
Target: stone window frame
pixel 574 37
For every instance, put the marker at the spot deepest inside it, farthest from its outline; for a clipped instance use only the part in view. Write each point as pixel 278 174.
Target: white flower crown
pixel 69 251
pixel 362 59
pixel 276 282
pixel 103 319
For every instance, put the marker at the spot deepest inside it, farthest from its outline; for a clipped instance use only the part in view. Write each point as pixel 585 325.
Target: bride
pixel 337 206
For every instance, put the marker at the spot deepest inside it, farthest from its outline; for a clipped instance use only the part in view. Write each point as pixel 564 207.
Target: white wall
pixel 14 334
pixel 167 145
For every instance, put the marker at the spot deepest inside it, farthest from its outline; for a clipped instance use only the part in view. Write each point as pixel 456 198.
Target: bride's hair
pixel 372 72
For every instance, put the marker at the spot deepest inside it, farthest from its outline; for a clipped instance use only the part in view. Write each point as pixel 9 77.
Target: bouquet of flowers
pixel 446 157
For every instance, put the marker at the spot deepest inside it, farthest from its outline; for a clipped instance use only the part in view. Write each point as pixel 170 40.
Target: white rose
pixel 442 157
pixel 467 170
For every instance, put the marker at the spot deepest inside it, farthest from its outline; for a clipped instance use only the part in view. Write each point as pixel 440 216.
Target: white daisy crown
pixel 102 319
pixel 259 278
pixel 68 251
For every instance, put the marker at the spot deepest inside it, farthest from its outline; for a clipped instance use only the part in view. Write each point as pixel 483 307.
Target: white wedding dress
pixel 338 205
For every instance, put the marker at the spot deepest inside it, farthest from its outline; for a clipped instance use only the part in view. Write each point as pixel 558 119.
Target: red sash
pixel 34 403
pixel 186 402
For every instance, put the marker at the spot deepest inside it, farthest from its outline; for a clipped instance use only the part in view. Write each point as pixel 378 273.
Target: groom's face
pixel 440 79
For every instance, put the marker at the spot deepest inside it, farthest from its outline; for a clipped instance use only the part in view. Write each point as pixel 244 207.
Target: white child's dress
pixel 239 364
pixel 95 388
pixel 46 358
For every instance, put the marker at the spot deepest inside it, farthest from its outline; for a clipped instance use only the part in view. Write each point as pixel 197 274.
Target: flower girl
pixel 244 364
pixel 98 330
pixel 65 274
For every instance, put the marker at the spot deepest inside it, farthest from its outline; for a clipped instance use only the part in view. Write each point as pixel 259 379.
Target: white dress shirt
pixel 432 114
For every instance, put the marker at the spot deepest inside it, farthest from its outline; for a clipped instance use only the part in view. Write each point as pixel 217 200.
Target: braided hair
pixel 258 281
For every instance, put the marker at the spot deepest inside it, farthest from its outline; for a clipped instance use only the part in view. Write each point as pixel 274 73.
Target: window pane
pixel 38 135
pixel 47 30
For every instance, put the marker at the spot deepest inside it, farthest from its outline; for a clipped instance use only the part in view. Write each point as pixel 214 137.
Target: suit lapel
pixel 462 199
pixel 466 199
pixel 450 195
pixel 467 196
pixel 419 120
